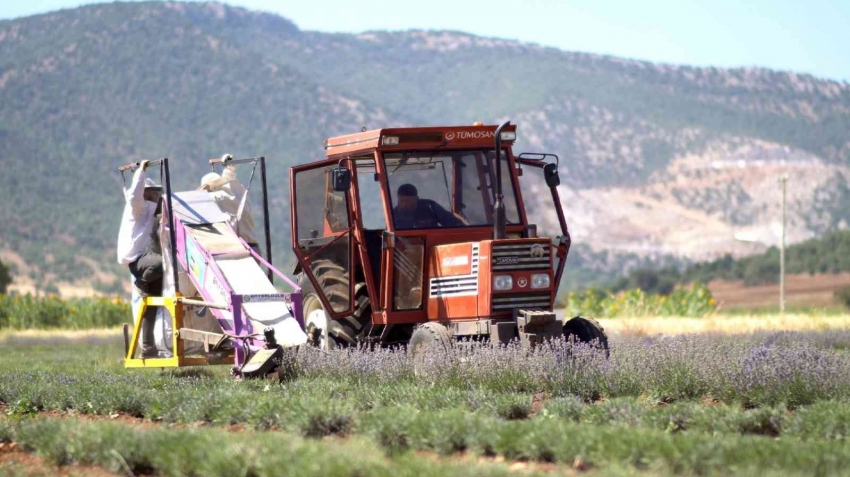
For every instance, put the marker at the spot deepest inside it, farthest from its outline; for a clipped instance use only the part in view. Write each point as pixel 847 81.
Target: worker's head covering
pixel 408 190
pixel 150 184
pixel 211 178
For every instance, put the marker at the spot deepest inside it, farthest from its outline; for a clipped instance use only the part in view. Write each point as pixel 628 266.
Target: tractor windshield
pixel 447 189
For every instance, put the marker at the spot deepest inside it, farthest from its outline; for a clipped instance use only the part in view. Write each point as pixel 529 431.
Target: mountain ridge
pixel 85 89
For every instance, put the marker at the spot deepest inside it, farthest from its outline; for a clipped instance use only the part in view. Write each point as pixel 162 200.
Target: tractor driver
pixel 139 247
pixel 411 212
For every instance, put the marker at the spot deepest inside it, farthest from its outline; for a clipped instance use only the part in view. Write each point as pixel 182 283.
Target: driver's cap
pixel 408 190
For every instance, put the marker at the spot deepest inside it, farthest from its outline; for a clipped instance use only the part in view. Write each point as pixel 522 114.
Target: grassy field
pixel 731 323
pixel 719 323
pixel 764 403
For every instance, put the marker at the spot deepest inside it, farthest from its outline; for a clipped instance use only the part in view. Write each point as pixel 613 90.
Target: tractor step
pixel 535 326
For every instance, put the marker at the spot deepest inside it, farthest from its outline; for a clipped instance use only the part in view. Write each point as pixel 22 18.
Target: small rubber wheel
pixel 289 368
pixel 586 330
pixel 427 340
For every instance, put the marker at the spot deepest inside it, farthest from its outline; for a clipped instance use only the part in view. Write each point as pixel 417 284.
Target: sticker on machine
pixel 456 261
pixel 195 260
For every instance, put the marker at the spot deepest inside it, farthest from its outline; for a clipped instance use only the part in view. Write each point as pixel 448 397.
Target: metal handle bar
pixel 134 165
pixel 193 302
pixel 234 161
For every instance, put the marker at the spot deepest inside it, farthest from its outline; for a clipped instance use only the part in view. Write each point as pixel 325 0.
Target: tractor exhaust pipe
pixel 499 219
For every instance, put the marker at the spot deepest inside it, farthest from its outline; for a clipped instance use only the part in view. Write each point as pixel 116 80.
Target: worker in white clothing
pixel 230 195
pixel 139 247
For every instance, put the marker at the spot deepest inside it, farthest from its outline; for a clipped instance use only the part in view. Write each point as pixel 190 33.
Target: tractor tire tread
pixel 586 329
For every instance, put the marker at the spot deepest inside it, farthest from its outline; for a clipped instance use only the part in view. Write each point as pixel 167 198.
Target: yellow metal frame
pixel 175 308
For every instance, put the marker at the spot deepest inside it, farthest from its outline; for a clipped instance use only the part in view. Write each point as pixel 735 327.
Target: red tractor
pixel 424 236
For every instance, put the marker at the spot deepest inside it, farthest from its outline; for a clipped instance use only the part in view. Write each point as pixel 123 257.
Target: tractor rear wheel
pixel 333 279
pixel 354 328
pixel 325 332
pixel 429 341
pixel 583 329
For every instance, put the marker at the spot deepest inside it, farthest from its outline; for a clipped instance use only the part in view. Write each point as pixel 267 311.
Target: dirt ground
pixel 801 290
pixel 14 461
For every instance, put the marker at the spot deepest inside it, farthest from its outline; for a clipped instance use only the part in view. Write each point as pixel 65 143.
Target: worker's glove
pixel 144 164
pixel 226 157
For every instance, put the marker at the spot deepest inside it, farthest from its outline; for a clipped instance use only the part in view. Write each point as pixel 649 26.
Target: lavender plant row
pixel 778 369
pixel 770 368
pixel 556 404
pixel 608 450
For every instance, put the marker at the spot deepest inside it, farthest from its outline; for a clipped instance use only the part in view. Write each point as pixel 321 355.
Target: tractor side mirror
pixel 341 179
pixel 550 173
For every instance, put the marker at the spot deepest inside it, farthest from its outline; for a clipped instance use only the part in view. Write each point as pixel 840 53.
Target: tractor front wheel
pixel 430 343
pixel 582 329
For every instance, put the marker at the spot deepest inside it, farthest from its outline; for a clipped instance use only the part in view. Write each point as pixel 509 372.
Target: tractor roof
pixel 390 139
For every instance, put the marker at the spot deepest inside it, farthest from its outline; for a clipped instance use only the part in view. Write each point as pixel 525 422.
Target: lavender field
pixel 756 404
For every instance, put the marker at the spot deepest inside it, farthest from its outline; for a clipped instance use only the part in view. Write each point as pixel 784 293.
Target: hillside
pixel 657 160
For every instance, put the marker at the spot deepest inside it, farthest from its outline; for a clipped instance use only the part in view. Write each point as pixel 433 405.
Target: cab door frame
pixel 359 228
pixel 304 259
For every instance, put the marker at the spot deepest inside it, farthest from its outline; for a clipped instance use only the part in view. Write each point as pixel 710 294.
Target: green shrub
pixel 513 406
pixel 326 423
pixel 28 312
pixel 822 420
pixel 693 301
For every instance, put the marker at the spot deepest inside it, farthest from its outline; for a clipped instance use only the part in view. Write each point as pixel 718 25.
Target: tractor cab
pixel 411 234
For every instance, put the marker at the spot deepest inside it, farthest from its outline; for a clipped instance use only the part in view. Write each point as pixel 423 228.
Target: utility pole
pixel 782 250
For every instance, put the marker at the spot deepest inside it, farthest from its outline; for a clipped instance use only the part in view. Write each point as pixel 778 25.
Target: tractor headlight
pixel 503 282
pixel 540 280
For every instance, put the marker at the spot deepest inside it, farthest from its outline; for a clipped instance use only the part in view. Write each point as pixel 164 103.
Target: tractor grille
pixel 458 285
pixel 453 286
pixel 525 256
pixel 524 301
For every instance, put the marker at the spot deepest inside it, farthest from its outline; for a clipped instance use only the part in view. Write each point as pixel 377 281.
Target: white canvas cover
pixel 197 207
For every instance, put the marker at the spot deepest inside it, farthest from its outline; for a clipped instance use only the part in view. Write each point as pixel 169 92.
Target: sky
pixel 810 36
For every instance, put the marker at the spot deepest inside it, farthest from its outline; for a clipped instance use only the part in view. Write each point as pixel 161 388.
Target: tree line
pixel 828 254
